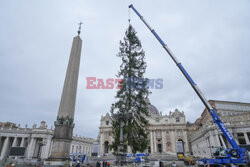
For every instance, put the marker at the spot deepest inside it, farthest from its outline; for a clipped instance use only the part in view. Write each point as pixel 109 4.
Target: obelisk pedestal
pixel 65 120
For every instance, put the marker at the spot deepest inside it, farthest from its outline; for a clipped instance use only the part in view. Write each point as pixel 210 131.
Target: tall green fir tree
pixel 131 109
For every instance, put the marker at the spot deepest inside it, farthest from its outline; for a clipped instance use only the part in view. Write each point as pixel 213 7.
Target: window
pixel 177 119
pixel 158 134
pixel 107 122
pixel 179 133
pixel 241 138
pixel 106 135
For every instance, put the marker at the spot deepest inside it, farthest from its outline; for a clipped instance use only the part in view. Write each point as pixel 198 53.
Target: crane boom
pixel 215 117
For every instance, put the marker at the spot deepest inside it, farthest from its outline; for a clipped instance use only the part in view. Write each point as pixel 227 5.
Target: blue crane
pixel 234 155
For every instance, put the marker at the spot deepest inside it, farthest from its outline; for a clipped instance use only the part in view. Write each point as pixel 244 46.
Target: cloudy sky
pixel 210 37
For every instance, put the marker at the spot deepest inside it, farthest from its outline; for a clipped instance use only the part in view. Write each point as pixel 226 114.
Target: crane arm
pixel 214 115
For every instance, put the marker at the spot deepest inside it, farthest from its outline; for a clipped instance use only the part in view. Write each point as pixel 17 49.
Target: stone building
pixel 164 131
pixel 36 140
pixel 197 138
pixel 204 133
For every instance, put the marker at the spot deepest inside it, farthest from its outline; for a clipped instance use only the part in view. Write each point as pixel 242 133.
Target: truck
pixel 188 160
pixel 235 156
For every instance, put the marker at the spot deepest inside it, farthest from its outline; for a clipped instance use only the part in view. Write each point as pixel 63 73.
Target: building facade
pixel 198 137
pixel 37 141
pixel 204 133
pixel 164 132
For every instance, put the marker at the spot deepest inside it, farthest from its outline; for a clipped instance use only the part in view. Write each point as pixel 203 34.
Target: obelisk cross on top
pixel 80 26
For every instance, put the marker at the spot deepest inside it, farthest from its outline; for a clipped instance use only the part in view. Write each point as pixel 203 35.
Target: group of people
pixel 98 164
pixel 102 164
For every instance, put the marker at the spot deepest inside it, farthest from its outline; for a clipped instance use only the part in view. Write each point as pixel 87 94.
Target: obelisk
pixel 64 123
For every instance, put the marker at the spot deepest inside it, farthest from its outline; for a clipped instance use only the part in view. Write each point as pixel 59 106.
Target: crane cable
pixel 129 16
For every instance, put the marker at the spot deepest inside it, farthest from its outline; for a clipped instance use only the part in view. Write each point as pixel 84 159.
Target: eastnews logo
pixel 131 83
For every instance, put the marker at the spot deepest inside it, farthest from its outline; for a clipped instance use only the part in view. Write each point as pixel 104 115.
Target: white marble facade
pixel 36 140
pixel 164 131
pixel 236 117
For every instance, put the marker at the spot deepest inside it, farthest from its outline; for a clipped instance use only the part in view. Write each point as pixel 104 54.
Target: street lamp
pixel 122 115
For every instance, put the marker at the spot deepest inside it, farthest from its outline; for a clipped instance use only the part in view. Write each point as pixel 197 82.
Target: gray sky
pixel 210 37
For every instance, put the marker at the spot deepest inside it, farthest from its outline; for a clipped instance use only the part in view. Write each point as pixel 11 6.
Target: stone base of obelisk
pixel 59 156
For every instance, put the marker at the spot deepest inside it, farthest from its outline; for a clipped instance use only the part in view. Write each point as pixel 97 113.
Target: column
pixel 14 144
pixel 212 143
pixel 44 149
pixel 31 148
pixel 129 149
pixel 101 145
pixel 164 142
pixel 246 138
pixel 5 148
pixel 217 140
pixel 186 146
pixel 155 145
pixel 208 143
pixel 48 147
pixel 151 142
pixel 223 143
pixel 172 139
pixel 22 142
pixel 236 138
pixel 211 136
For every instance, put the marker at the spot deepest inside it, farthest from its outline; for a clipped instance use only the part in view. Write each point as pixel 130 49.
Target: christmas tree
pixel 129 124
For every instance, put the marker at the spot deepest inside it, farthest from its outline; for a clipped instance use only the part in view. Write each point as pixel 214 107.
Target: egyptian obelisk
pixel 64 123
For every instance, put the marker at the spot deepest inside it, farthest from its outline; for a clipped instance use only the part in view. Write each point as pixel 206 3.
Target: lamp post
pixel 122 116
